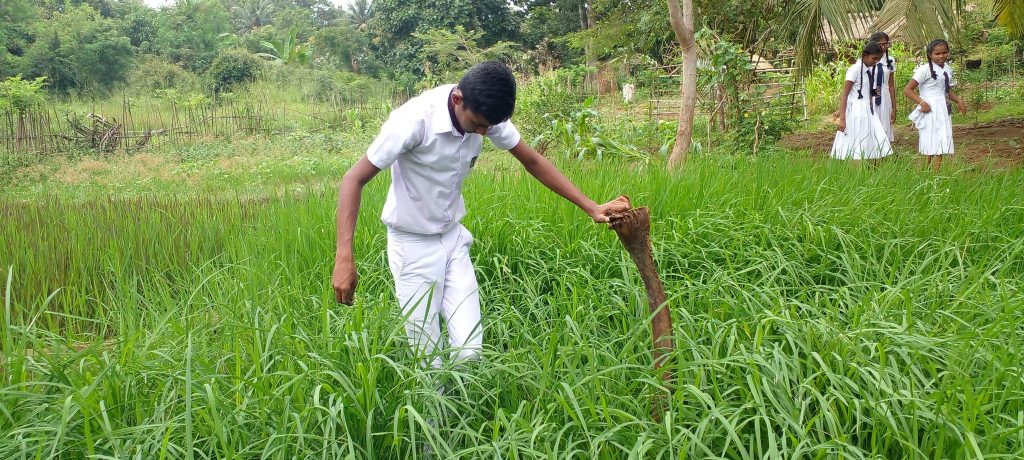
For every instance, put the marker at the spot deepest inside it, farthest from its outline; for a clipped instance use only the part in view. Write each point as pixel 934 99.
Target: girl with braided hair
pixel 885 82
pixel 933 115
pixel 860 136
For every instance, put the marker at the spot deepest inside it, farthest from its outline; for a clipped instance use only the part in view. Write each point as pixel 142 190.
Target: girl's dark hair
pixel 931 47
pixel 877 37
pixel 870 48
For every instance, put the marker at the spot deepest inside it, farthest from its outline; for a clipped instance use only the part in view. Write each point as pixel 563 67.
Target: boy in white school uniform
pixel 431 143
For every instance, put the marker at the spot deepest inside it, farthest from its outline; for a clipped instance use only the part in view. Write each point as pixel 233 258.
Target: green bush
pixel 18 95
pixel 544 98
pixel 152 73
pixel 232 67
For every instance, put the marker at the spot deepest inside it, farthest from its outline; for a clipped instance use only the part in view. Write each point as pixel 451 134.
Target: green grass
pixel 242 166
pixel 820 312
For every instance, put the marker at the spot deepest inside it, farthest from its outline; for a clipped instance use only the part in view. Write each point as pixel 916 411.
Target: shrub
pixel 18 95
pixel 152 74
pixel 232 67
pixel 546 97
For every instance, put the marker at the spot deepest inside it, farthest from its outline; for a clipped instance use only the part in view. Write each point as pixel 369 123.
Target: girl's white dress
pixel 935 128
pixel 864 138
pixel 884 110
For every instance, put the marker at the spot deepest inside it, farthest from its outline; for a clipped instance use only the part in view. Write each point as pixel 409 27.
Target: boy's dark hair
pixel 489 89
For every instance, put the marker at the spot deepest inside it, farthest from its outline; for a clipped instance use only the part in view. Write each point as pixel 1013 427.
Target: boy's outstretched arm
pixel 350 194
pixel 545 172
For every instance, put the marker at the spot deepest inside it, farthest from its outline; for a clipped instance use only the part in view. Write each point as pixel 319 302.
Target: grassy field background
pixel 820 312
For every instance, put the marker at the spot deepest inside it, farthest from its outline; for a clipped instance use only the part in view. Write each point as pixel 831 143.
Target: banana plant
pixel 287 52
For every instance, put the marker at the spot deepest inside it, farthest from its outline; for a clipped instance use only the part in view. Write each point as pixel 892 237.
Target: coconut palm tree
pixel 919 20
pixel 250 14
pixel 360 12
pixel 1010 14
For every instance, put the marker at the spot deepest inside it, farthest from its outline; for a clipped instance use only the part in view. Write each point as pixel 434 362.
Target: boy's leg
pixel 461 302
pixel 418 263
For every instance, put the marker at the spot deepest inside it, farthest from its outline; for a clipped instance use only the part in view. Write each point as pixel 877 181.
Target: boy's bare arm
pixel 545 172
pixel 350 192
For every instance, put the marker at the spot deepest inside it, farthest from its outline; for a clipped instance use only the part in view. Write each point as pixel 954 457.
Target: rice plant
pixel 820 312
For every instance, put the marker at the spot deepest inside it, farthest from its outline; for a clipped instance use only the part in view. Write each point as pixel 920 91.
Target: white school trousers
pixel 434 279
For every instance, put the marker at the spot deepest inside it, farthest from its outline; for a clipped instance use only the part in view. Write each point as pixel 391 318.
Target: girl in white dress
pixel 861 136
pixel 885 74
pixel 933 115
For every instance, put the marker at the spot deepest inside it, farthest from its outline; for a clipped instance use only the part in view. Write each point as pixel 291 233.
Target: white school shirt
pixel 858 74
pixel 929 86
pixel 884 66
pixel 429 161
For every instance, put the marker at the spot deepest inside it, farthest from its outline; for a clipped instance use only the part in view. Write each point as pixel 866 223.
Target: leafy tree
pixel 546 24
pixel 106 8
pixel 140 25
pixel 253 40
pixel 344 48
pixel 16 17
pixel 80 50
pixel 300 19
pixel 48 58
pixel 453 52
pixel 189 32
pixel 395 21
pixel 637 27
pixel 324 13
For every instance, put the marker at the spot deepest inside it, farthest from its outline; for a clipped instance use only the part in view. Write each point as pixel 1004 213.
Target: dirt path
pixel 999 144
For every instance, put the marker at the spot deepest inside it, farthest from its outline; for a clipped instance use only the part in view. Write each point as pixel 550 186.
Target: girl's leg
pixel 937 163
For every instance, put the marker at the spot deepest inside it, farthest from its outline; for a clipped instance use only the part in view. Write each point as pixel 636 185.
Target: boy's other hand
pixel 603 213
pixel 344 281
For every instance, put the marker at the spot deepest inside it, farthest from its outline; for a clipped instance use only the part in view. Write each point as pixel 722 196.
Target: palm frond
pixel 813 16
pixel 1010 14
pixel 920 21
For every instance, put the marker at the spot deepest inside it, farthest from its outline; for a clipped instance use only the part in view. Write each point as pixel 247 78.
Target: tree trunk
pixel 682 25
pixel 586 22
